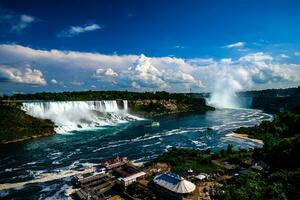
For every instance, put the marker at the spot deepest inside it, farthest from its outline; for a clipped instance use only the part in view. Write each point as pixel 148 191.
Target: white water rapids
pixel 75 115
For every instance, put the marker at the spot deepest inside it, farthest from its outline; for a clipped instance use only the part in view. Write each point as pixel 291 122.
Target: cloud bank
pixel 73 70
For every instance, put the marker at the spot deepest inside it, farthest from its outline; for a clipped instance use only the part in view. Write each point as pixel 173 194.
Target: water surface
pixel 136 140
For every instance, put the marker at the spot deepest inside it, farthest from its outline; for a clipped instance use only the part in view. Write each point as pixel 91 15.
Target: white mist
pixel 224 94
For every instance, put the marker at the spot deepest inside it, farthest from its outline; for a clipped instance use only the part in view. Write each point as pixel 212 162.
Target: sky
pixel 148 45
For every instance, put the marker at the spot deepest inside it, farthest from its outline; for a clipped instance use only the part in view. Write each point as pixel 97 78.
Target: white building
pixel 130 179
pixel 174 183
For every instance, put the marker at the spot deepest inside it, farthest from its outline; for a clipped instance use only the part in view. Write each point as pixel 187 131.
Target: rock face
pixel 151 108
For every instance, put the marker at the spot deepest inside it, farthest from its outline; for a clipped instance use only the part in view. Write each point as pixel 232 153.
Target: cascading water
pixel 75 115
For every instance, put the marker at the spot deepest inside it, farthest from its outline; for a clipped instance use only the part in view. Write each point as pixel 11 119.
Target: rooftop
pixel 174 183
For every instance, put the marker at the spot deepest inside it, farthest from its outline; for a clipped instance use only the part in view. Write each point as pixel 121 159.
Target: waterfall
pixel 76 115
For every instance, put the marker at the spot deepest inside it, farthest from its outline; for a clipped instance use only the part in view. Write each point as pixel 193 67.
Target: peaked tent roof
pixel 174 183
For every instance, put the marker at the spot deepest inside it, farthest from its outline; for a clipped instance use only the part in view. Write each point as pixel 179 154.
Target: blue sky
pixel 148 45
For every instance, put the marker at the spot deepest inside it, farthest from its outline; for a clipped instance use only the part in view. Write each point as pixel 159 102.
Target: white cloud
pixel 179 47
pixel 27 76
pixel 75 30
pixel 54 81
pixel 69 59
pixel 77 83
pixel 256 57
pixel 15 22
pixel 104 73
pixel 226 61
pixel 236 45
pixel 283 55
pixel 24 22
pixel 251 71
pixel 201 61
pixel 135 85
pixel 143 71
pixel 110 72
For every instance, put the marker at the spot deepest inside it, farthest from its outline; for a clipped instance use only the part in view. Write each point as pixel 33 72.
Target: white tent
pixel 200 176
pixel 175 183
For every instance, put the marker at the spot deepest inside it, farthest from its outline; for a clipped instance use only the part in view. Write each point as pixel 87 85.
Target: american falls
pixel 76 115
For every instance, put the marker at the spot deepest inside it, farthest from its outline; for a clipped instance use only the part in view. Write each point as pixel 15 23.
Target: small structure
pixel 93 186
pixel 257 167
pixel 125 170
pixel 117 162
pixel 155 124
pixel 130 179
pixel 201 177
pixel 174 183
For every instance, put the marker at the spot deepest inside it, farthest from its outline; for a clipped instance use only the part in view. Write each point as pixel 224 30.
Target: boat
pixel 155 124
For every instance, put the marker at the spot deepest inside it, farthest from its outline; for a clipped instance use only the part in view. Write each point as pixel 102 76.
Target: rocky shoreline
pixel 155 108
pixel 17 126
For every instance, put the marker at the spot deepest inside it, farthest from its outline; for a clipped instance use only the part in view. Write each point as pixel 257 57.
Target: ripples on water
pixel 66 152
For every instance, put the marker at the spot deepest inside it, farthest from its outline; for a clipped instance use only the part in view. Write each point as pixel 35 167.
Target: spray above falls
pixel 75 115
pixel 224 94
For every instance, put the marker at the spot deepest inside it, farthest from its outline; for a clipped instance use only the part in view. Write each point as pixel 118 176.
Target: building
pixel 117 162
pixel 174 184
pixel 132 178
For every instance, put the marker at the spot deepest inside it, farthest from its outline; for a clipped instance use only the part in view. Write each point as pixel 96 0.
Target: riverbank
pixel 17 126
pixel 155 108
pixel 276 176
pixel 245 137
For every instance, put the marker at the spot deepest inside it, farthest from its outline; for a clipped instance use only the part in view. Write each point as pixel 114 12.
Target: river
pixel 63 153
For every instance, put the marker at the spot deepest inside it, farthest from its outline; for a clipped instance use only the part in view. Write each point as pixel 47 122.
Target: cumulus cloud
pixel 256 57
pixel 27 76
pixel 135 85
pixel 76 30
pixel 143 71
pixel 110 72
pixel 226 61
pixel 105 75
pixel 235 45
pixel 105 72
pixel 138 72
pixel 54 81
